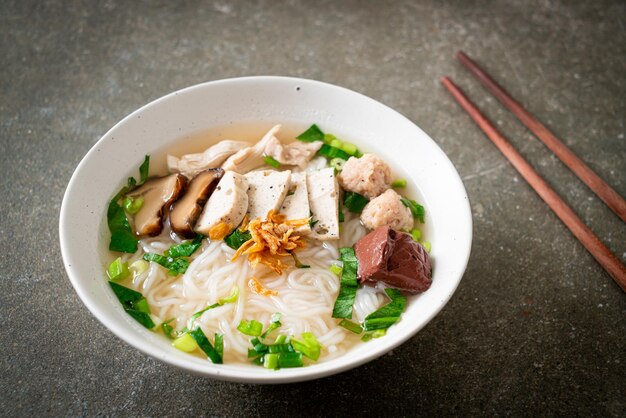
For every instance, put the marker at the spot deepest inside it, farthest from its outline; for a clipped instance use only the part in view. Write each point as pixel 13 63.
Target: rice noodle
pixel 305 296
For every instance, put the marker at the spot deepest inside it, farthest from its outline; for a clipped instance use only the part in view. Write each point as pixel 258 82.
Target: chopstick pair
pixel 582 232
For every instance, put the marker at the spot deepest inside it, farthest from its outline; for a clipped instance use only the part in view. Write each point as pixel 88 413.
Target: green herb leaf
pixel 349 284
pixel 236 238
pixel 122 237
pixel 312 134
pixel 387 315
pixel 185 249
pixel 134 304
pixel 354 202
pixel 417 210
pixel 312 223
pixel 174 265
pixel 206 346
pixel 144 168
pixel 269 160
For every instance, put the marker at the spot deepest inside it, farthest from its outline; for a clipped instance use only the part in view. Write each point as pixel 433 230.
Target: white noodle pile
pixel 305 296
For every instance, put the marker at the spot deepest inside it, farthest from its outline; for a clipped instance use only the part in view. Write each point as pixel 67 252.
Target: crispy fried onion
pixel 220 231
pixel 255 285
pixel 270 240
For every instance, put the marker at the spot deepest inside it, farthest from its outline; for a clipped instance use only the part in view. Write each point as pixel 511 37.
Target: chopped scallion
pixel 351 326
pixel 252 327
pixel 427 246
pixel 416 234
pixel 270 361
pixel 336 269
pixel 206 346
pixel 397 184
pixel 138 267
pixel 131 205
pixel 185 343
pixel 308 346
pixel 118 270
pixel 337 163
pixel 167 329
pixel 349 148
pixel 231 298
pixel 286 360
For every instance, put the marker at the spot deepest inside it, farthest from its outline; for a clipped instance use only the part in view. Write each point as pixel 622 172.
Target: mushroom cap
pixel 186 210
pixel 158 194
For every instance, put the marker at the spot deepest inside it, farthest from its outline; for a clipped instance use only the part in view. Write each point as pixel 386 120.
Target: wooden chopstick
pixel 566 155
pixel 592 243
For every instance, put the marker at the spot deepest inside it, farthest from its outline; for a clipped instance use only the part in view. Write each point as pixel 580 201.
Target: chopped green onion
pixel 417 210
pixel 297 261
pixel 252 327
pixel 219 344
pixel 281 339
pixel 185 343
pixel 308 346
pixel 259 347
pixel 134 304
pixel 337 163
pixel 375 334
pixel 231 298
pixel 329 138
pixel 379 333
pixel 131 205
pixel 206 346
pixel 397 184
pixel 426 246
pixel 258 361
pixel 351 326
pixel 354 202
pixel 118 270
pixel 281 348
pixel 335 142
pixel 236 238
pixel 349 148
pixel 269 160
pixel 331 152
pixel 389 314
pixel 139 267
pixel 174 265
pixel 416 234
pixel 185 249
pixel 199 314
pixel 167 329
pixel 270 361
pixel 312 134
pixel 336 269
pixel 349 284
pixel 274 324
pixel 286 360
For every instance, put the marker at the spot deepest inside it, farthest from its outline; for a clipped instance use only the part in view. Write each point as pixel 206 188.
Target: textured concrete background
pixel 536 326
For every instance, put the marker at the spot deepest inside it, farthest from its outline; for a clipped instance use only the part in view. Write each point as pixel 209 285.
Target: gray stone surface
pixel 536 326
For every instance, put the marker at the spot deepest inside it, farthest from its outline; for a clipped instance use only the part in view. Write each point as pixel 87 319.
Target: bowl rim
pixel 236 375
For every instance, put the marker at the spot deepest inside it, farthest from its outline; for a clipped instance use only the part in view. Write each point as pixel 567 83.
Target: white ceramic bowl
pixel 372 125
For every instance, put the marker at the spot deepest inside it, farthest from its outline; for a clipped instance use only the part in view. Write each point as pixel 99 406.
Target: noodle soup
pixel 267 289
